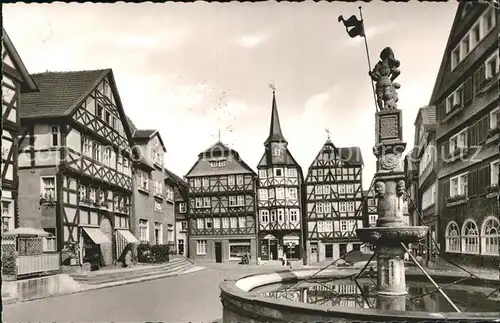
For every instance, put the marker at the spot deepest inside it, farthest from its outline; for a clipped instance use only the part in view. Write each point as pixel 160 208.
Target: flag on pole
pixel 356 26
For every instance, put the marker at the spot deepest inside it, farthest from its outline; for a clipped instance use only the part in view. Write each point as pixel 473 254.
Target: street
pixel 187 298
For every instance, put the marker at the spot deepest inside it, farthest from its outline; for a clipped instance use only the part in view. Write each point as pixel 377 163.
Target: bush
pixel 9 263
pixel 147 253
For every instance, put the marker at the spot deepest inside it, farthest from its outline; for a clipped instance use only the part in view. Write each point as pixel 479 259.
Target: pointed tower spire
pixel 275 134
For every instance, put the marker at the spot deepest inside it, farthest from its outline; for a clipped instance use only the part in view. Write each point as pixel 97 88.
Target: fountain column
pixel 391 230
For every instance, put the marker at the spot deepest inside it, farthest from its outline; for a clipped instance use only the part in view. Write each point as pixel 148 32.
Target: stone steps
pixel 175 266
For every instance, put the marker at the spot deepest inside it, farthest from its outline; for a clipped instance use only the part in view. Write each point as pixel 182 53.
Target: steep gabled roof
pixel 176 179
pixel 234 163
pixel 60 93
pixel 275 134
pixel 28 85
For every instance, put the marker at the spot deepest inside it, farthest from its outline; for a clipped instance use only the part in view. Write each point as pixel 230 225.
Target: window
pixel 326 189
pixel 197 182
pixel 113 122
pixel 233 222
pixel 206 202
pixel 458 185
pixel 7 218
pixel 201 247
pixel 182 207
pixel 143 180
pixel 99 111
pixel 465 45
pixel 206 182
pixel 222 163
pixel 232 201
pixel 273 215
pixel 54 136
pixel 470 237
pixel 281 215
pixel 230 180
pixel 277 152
pixel 327 207
pixel 242 222
pixel 372 220
pixel 278 172
pixel 158 207
pixel 429 197
pixel 426 159
pixel 263 194
pixel 488 20
pixel 343 225
pixel 349 188
pixel 492 66
pixel 343 207
pixel 216 223
pixel 455 57
pixel 494 172
pixel 476 34
pixel 119 165
pixel 280 193
pixel 106 156
pixel 495 118
pixel 452 237
pixel 294 216
pixel 342 189
pixel 87 147
pixel 239 180
pixel 200 223
pixel 262 173
pixel 350 207
pixel 208 223
pixel 338 171
pixel 92 194
pixel 264 216
pixel 48 188
pixel 225 223
pixel 292 193
pixel 240 200
pixel 292 172
pixel 183 225
pixel 107 117
pixel 458 141
pixel 158 233
pixel 199 202
pixel 143 230
pixel 319 208
pixel 455 99
pixel 490 236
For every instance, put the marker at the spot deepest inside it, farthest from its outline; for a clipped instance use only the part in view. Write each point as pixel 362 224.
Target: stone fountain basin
pixel 240 305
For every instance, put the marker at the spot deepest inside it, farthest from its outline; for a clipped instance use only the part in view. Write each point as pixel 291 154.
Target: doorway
pixel 180 246
pixel 218 252
pixel 342 249
pixel 273 249
pixel 329 251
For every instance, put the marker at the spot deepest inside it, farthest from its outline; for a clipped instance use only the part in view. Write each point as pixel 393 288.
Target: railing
pixel 33 264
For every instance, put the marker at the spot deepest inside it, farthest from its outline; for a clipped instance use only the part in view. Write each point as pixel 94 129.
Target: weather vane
pixel 219 134
pixel 271 86
pixel 328 133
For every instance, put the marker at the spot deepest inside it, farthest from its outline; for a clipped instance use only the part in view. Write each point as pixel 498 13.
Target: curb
pixel 83 288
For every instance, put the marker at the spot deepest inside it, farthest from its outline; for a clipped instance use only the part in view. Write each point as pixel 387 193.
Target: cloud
pixel 251 41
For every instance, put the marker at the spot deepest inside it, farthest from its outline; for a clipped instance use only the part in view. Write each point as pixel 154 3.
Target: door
pixel 342 249
pixel 106 248
pixel 329 251
pixel 274 249
pixel 218 252
pixel 180 246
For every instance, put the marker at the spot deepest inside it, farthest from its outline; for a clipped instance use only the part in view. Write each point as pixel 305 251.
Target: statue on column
pixel 384 73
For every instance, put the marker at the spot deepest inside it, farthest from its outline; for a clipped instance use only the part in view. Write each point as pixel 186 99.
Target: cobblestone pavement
pixel 187 298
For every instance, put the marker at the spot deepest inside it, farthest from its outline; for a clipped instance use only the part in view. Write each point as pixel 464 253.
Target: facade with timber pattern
pixel 467 114
pixel 221 209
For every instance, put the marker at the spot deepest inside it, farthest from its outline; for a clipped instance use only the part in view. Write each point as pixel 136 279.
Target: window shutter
pixel 485 178
pixel 468 89
pixel 472 183
pixel 446 150
pixel 440 111
pixel 446 189
pixel 482 129
pixel 479 77
pixel 470 135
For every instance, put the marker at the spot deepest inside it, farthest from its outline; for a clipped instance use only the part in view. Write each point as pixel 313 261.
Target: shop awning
pixel 127 235
pixel 96 235
pixel 270 237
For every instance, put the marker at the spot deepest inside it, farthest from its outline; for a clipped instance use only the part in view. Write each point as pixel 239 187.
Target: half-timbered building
pixel 468 116
pixel 75 164
pixel 371 207
pixel 279 197
pixel 15 81
pixel 153 199
pixel 334 202
pixel 222 225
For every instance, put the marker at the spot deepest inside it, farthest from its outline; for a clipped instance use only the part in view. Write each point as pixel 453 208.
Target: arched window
pixel 490 236
pixel 452 237
pixel 470 237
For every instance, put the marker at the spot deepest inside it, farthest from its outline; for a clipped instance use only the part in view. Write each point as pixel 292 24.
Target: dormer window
pixel 54 135
pixel 277 152
pixel 492 65
pixel 278 172
pixel 100 111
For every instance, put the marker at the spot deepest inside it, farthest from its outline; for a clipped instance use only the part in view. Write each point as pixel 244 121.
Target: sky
pixel 192 70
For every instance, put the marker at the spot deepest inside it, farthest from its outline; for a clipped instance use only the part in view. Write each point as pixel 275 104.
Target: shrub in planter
pixel 492 189
pixel 9 263
pixel 147 253
pixel 455 198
